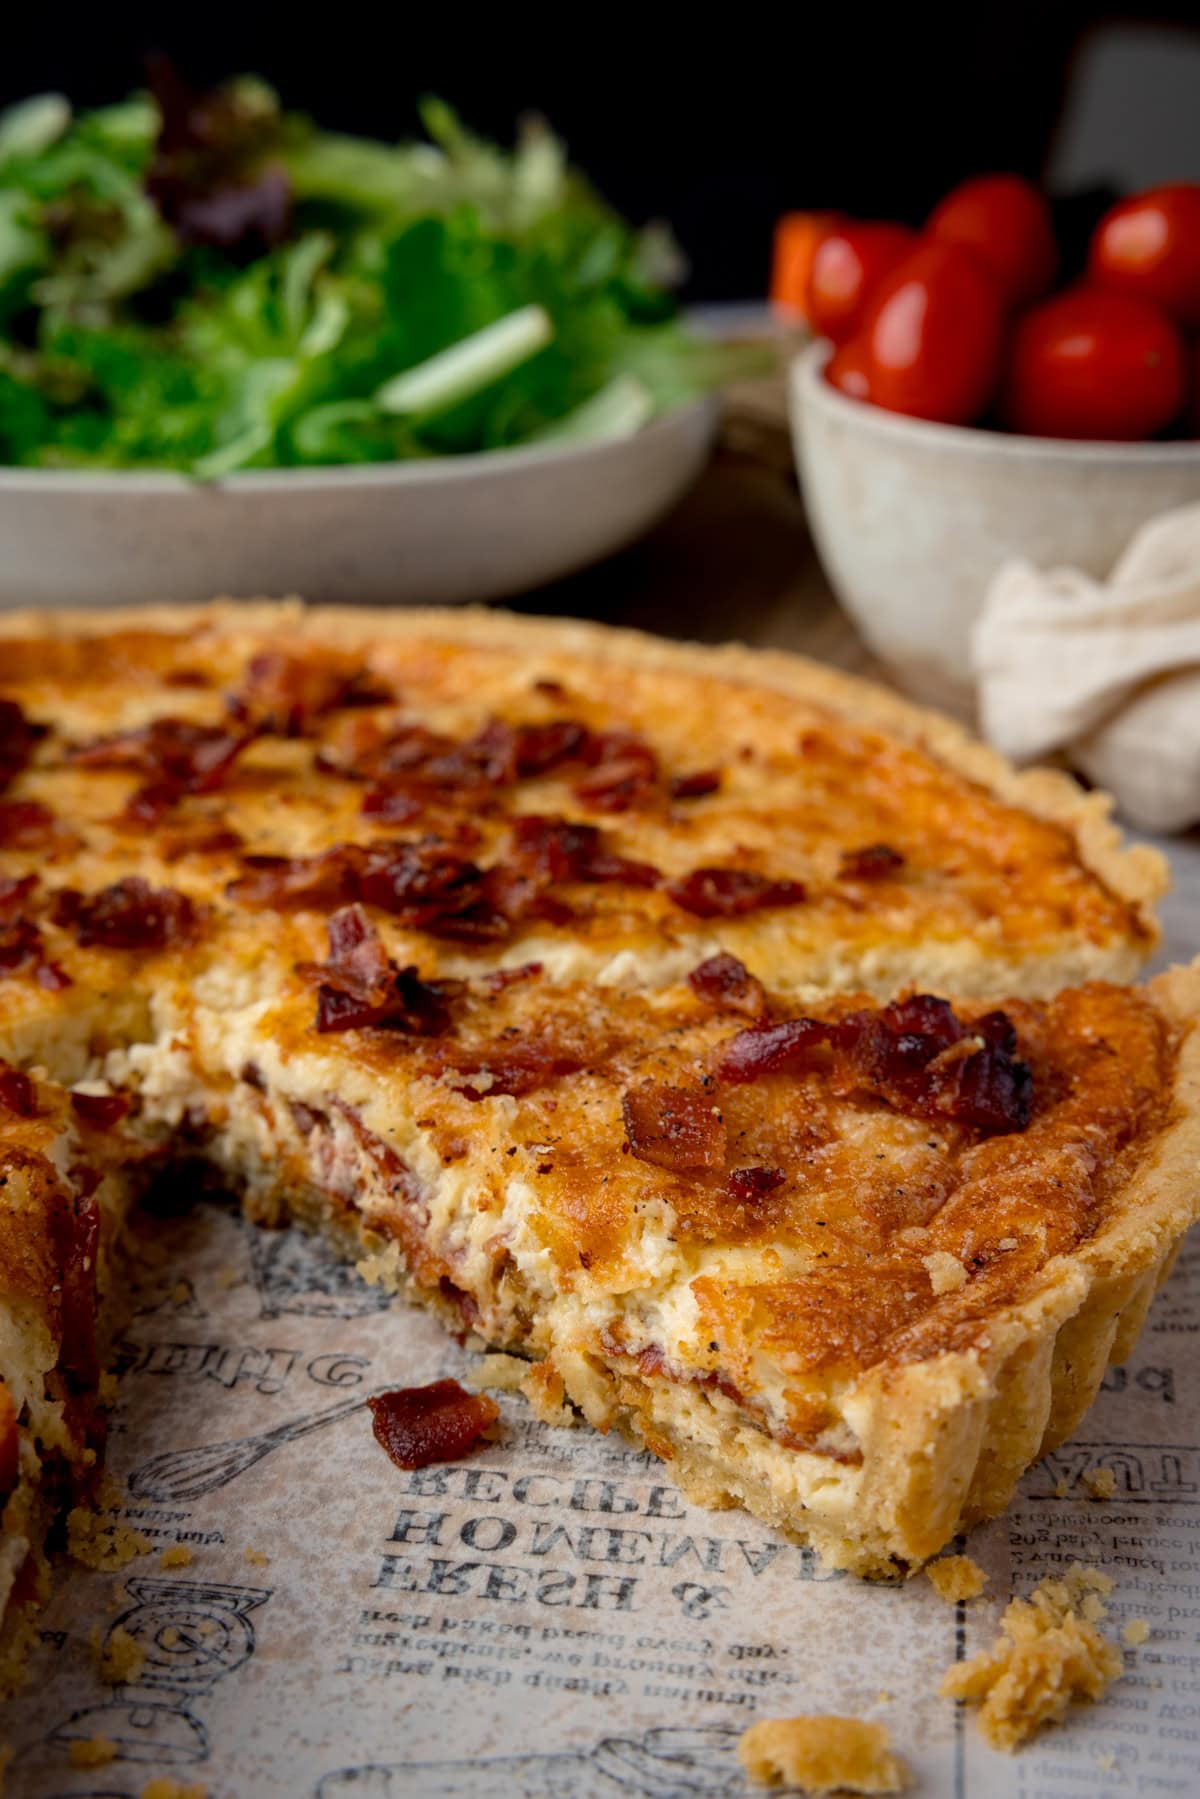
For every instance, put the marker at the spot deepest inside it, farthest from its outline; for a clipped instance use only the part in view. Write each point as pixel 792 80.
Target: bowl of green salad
pixel 241 354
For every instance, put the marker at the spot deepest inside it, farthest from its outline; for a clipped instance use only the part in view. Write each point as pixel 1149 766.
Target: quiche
pixel 748 1050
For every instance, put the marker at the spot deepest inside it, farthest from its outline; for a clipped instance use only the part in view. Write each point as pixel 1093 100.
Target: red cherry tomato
pixel 847 266
pixel 1006 222
pixel 933 335
pixel 1093 364
pixel 849 369
pixel 1149 247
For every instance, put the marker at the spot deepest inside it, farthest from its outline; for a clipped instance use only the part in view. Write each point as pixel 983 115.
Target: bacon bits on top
pixel 916 1055
pixel 131 914
pixel 176 756
pixel 359 986
pixel 25 825
pixel 285 694
pixel 437 1423
pixel 18 738
pixel 727 984
pixel 674 1129
pixel 732 892
pixel 873 862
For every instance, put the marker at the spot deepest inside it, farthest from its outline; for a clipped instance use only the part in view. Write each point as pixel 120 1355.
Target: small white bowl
pixel 435 533
pixel 912 519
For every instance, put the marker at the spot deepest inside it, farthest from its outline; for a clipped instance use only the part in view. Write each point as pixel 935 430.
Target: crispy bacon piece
pixel 625 772
pixel 915 1054
pixel 18 738
pixel 285 694
pixel 724 982
pixel 78 1243
pixel 359 986
pixel 25 825
pixel 750 1184
pixel 17 1092
pixel 513 1065
pixel 557 849
pixel 539 748
pixel 192 757
pixel 695 786
pixel 284 883
pixel 14 891
pixel 21 942
pixel 437 1423
pixel 176 755
pixel 731 892
pixel 873 862
pixel 674 1129
pixel 131 914
pixel 100 1110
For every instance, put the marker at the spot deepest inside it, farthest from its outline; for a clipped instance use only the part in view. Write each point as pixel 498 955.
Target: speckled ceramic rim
pixel 809 389
pixel 435 470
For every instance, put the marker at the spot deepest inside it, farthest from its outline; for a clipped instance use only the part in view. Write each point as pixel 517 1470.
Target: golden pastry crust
pixel 398 914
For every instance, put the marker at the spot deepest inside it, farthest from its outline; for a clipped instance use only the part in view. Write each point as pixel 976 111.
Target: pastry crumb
pixel 822 1755
pixel 543 1388
pixel 1106 1763
pixel 1048 1653
pixel 92 1752
pixel 257 1558
pixel 956 1577
pixel 946 1272
pixel 1136 1632
pixel 165 1788
pixel 177 1555
pixel 227 1277
pixel 122 1658
pixel 1061 1488
pixel 100 1544
pixel 497 1373
pixel 1101 1483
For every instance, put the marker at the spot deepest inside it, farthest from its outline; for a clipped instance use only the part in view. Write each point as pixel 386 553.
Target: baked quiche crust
pixel 560 974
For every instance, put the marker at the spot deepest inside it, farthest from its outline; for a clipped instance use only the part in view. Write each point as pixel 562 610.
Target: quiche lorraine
pixel 743 1047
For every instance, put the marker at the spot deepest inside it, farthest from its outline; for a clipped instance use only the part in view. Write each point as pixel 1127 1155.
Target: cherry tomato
pixel 847 267
pixel 797 236
pixel 933 334
pixel 1149 247
pixel 849 368
pixel 1093 364
pixel 1006 222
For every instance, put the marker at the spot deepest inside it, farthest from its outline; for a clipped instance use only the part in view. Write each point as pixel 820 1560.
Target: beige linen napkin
pixel 1105 672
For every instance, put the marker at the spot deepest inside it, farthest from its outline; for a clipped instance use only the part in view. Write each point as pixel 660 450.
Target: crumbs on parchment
pixel 103 1543
pixel 91 1752
pixel 956 1577
pixel 822 1755
pixel 1048 1653
pixel 122 1657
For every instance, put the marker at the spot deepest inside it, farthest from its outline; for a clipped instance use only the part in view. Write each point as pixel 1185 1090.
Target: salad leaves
pixel 203 282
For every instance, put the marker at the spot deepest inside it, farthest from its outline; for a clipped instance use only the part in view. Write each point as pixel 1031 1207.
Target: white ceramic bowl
pixel 437 532
pixel 912 520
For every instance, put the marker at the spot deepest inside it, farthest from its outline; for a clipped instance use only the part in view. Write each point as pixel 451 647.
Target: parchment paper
pixel 548 1618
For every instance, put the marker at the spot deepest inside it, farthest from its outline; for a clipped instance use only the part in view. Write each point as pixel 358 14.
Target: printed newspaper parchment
pixel 548 1618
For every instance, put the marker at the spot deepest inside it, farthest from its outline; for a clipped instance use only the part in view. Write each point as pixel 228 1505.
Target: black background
pixel 717 121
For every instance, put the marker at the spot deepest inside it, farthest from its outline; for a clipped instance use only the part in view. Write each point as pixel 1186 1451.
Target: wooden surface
pixel 735 560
